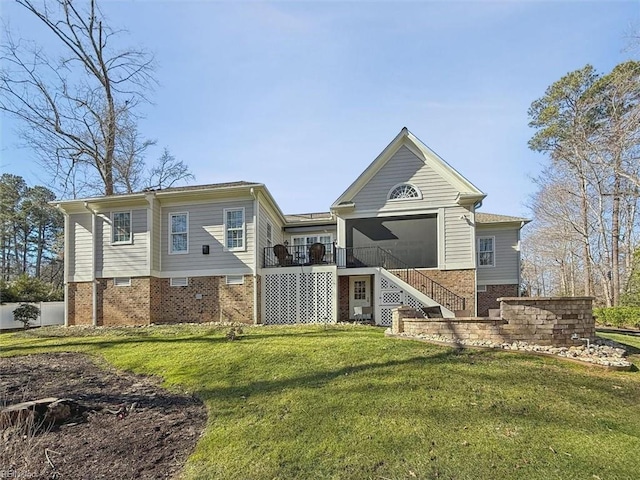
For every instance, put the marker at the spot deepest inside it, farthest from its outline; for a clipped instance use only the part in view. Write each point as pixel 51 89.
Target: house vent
pixel 179 282
pixel 235 279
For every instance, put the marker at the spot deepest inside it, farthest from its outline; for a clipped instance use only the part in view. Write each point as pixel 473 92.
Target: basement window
pixel 179 282
pixel 481 288
pixel 122 282
pixel 235 279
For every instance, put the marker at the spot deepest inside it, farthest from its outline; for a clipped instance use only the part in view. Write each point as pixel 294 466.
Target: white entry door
pixel 359 294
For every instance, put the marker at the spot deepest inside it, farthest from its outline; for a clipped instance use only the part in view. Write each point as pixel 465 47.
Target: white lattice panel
pixel 392 295
pixel 302 297
pixel 412 301
pixel 386 316
pixel 386 284
pixel 392 298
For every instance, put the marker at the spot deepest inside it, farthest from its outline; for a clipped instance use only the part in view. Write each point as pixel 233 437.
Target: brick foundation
pixel 343 298
pixel 153 300
pixel 219 303
pixel 489 299
pixel 80 303
pixel 124 305
pixel 542 321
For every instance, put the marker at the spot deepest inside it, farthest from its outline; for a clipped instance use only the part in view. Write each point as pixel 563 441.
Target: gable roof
pixel 492 218
pixel 468 192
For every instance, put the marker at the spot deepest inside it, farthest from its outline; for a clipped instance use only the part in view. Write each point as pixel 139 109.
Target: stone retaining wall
pixel 537 320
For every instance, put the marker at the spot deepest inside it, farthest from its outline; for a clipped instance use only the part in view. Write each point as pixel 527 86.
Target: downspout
pixel 256 234
pixel 522 224
pixel 66 264
pixel 94 293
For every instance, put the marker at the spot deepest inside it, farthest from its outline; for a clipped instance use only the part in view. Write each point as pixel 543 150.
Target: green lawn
pixel 344 402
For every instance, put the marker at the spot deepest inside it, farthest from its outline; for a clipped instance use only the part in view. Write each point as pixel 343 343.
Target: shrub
pixel 29 289
pixel 621 317
pixel 26 313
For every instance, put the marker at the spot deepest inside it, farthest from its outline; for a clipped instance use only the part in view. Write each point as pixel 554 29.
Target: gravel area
pixel 600 352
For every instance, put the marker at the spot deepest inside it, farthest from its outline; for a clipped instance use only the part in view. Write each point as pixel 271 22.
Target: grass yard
pixel 344 402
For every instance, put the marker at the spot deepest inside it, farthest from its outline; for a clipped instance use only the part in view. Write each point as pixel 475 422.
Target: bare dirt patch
pixel 134 428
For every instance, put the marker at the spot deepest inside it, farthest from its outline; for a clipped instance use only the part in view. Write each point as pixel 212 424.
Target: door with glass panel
pixel 301 246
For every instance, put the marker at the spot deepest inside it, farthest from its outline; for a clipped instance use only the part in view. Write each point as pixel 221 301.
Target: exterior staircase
pixel 354 257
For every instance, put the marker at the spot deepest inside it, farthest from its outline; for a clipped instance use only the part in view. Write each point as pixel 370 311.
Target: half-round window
pixel 405 191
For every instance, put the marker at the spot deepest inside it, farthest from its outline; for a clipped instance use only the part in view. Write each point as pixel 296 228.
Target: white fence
pixel 51 313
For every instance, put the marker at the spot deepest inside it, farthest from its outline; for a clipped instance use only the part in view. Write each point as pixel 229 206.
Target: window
pixel 178 233
pixel 486 252
pixel 122 282
pixel 234 228
pixel 359 290
pixel 405 191
pixel 121 227
pixel 269 235
pixel 179 282
pixel 481 288
pixel 235 279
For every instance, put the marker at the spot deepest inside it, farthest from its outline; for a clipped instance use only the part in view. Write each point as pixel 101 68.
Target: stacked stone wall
pixel 541 321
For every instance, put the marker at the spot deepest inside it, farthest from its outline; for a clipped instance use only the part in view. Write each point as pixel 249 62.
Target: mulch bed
pixel 134 428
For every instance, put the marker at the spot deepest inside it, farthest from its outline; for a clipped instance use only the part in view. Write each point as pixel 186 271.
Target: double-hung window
pixel 234 229
pixel 486 252
pixel 178 233
pixel 121 227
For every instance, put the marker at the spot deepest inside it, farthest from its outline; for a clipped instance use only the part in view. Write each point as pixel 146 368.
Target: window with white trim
pixel 234 229
pixel 486 252
pixel 122 282
pixel 121 227
pixel 178 233
pixel 405 191
pixel 481 288
pixel 179 281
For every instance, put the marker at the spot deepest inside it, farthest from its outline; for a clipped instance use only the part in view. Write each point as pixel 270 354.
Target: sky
pixel 302 96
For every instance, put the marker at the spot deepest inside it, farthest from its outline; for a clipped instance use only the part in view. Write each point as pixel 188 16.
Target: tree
pixel 167 172
pixel 76 108
pixel 29 227
pixel 589 125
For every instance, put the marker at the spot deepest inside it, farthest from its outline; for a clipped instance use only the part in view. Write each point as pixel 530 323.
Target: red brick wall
pixel 219 303
pixel 80 303
pixel 461 282
pixel 124 305
pixel 343 298
pixel 153 300
pixel 489 299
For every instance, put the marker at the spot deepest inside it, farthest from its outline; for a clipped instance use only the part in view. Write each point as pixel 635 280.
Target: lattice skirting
pixel 393 295
pixel 300 297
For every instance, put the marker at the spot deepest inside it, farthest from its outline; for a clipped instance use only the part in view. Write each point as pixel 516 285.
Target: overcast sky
pixel 302 96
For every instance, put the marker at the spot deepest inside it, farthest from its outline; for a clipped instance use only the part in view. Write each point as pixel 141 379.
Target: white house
pixel 405 232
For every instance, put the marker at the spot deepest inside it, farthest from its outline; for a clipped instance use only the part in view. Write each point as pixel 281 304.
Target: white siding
pixel 458 238
pixel 125 260
pixel 156 243
pixel 81 245
pixel 507 256
pixel 402 167
pixel 206 227
pixel 277 234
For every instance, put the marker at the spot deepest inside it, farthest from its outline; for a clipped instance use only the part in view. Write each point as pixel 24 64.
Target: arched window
pixel 405 191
